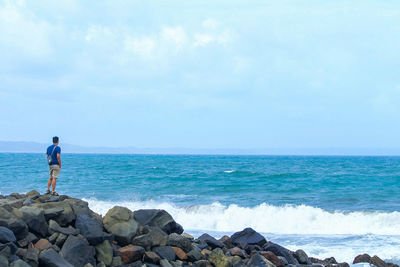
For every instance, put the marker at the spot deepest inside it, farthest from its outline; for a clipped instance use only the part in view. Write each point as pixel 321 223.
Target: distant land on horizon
pixel 35 147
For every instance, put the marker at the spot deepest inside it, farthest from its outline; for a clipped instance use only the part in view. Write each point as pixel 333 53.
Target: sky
pixel 201 74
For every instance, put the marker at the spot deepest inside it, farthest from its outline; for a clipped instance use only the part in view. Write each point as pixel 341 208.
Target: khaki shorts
pixel 54 171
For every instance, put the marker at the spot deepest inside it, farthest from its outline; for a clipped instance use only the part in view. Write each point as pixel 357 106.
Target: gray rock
pixel 302 257
pixel 179 241
pixel 247 237
pixel 119 221
pixel 64 218
pixel 91 228
pixel 202 263
pixel 31 257
pixel 3 261
pixel 18 226
pixel 104 252
pixel 218 258
pixel 5 252
pixel 34 218
pixel 60 240
pixel 52 239
pixel 165 252
pixel 11 246
pixel 54 227
pixel 33 194
pixel 151 237
pixel 6 235
pixel 281 251
pixel 19 263
pixel 101 264
pixel 116 261
pixel 211 241
pixel 77 251
pixel 165 263
pixel 27 202
pixel 259 261
pixel 158 218
pixel 50 258
pixel 52 213
pixel 195 254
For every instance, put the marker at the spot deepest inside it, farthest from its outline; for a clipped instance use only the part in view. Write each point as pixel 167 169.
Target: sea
pixel 337 206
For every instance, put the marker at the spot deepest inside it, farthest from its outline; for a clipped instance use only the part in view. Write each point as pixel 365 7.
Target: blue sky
pixel 201 74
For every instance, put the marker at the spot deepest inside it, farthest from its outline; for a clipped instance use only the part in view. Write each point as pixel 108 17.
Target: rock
pixel 104 252
pixel 119 221
pixel 77 251
pixel 42 244
pixel 52 239
pixel 64 218
pixel 273 258
pixel 195 254
pixel 19 263
pixel 226 240
pixel 259 261
pixel 302 257
pixel 218 258
pixel 33 194
pixel 6 235
pixel 151 237
pixel 236 261
pixel 131 253
pixel 179 241
pixel 281 251
pixel 27 202
pixel 362 258
pixel 165 263
pixel 152 257
pixel 211 241
pixel 206 252
pixel 5 252
pixel 158 218
pixel 18 226
pixel 54 227
pixel 101 264
pixel 238 252
pixel 3 261
pixel 31 257
pixel 116 261
pixel 180 254
pixel 91 228
pixel 50 258
pixel 375 260
pixel 165 252
pixel 60 240
pixel 34 218
pixel 11 247
pixel 247 237
pixel 202 263
pixel 52 213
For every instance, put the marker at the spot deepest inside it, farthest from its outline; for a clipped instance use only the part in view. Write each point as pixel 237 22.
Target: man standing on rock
pixel 54 160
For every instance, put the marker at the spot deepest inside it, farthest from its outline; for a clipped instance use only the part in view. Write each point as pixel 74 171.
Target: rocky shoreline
pixel 60 231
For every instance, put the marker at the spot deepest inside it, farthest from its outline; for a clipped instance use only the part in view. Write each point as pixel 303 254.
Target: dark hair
pixel 55 139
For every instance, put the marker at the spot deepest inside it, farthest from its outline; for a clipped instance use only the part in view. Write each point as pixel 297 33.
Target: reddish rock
pixel 272 258
pixel 131 253
pixel 375 260
pixel 362 258
pixel 152 257
pixel 238 252
pixel 42 244
pixel 226 240
pixel 180 254
pixel 206 252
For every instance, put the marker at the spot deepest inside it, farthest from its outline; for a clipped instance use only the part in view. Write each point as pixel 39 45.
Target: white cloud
pixel 210 23
pixel 174 34
pixel 96 31
pixel 203 39
pixel 143 46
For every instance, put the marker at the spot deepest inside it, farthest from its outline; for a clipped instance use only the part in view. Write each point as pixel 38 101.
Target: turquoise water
pixel 317 203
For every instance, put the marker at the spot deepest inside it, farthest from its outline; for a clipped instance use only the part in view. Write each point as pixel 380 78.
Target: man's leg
pixel 54 184
pixel 48 184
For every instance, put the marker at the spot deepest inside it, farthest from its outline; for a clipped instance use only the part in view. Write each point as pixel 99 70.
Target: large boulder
pixel 375 260
pixel 63 218
pixel 120 222
pixel 273 258
pixel 150 237
pixel 12 222
pixel 92 228
pixel 104 252
pixel 362 258
pixel 6 235
pixel 50 258
pixel 211 241
pixel 34 218
pixel 54 227
pixel 259 261
pixel 195 254
pixel 302 257
pixel 131 253
pixel 77 251
pixel 247 237
pixel 281 251
pixel 158 218
pixel 180 241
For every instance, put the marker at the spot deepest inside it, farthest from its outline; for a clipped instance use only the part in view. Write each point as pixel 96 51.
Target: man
pixel 54 160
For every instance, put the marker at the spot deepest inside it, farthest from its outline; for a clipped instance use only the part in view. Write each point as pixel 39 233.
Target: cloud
pixel 210 23
pixel 96 31
pixel 143 46
pixel 174 34
pixel 203 39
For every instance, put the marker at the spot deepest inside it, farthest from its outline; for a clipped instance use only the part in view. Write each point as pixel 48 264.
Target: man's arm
pixel 59 159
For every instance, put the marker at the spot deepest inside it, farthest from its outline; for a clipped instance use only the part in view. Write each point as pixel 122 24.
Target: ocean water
pixel 327 206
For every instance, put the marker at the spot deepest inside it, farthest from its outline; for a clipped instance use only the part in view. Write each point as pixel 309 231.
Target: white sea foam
pixel 229 171
pixel 266 218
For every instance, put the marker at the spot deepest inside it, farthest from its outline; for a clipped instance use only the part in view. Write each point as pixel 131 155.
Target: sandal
pixel 47 192
pixel 54 193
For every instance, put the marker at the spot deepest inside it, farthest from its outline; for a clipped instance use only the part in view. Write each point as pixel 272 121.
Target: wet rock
pixel 119 221
pixel 150 237
pixel 362 258
pixel 211 241
pixel 42 244
pixel 180 254
pixel 247 237
pixel 158 218
pixel 273 258
pixel 165 252
pixel 152 257
pixel 218 258
pixel 77 251
pixel 91 228
pixel 302 257
pixel 179 241
pixel 50 258
pixel 6 235
pixel 34 218
pixel 131 253
pixel 281 251
pixel 54 227
pixel 259 261
pixel 104 252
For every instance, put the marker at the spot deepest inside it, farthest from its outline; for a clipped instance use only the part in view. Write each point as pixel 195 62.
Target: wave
pixel 265 218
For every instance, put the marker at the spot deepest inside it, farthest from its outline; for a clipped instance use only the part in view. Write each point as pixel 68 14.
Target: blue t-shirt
pixel 57 150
